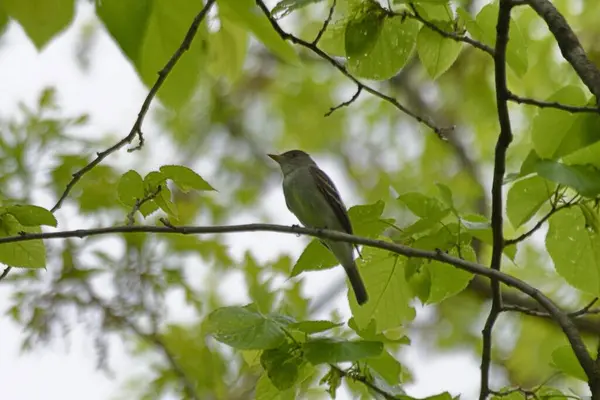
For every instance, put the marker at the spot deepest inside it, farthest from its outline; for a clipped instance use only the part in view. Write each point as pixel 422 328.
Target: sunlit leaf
pixel 28 215
pixel 526 197
pixel 319 351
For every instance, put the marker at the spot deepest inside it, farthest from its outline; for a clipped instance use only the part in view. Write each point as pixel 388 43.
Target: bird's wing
pixel 328 189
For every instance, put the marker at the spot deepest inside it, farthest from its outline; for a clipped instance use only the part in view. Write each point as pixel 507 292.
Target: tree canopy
pixel 465 136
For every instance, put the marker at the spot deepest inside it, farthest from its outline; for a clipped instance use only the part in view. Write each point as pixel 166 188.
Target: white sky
pixel 112 93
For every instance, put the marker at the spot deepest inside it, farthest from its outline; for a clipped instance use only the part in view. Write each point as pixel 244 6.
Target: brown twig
pixel 136 130
pixel 345 103
pixel 140 202
pixel 362 379
pixel 325 24
pixel 441 132
pixel 552 104
pixel 504 140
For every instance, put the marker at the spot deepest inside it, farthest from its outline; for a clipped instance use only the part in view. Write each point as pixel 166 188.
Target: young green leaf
pixel 585 179
pixel 315 257
pixel 185 178
pixel 564 359
pixel 320 351
pixel 130 188
pixel 366 219
pixel 436 52
pixel 526 197
pixel 28 254
pixel 390 303
pixel 29 215
pixel 245 329
pixel 286 7
pixel 424 206
pixel 446 280
pixel 314 326
pixel 363 30
pixel 575 250
pixel 281 364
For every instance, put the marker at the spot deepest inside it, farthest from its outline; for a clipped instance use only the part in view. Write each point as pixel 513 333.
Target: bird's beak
pixel 275 157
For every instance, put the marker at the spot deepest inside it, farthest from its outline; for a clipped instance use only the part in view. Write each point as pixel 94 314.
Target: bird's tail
pixel 357 283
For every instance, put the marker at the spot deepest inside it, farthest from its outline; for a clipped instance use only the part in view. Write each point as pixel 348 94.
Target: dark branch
pixel 362 379
pixel 553 104
pixel 538 313
pixel 449 35
pixel 345 103
pixel 441 132
pixel 569 44
pixel 325 24
pixel 504 140
pixel 136 130
pixel 560 317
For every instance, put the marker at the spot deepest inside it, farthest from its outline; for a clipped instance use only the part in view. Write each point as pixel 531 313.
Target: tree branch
pixel 315 49
pixel 569 44
pixel 559 316
pixel 504 140
pixel 136 130
pixel 362 379
pixel 553 104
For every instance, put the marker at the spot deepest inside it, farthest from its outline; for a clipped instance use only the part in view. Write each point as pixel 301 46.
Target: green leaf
pixel 390 52
pixel 310 327
pixel 163 201
pixel 245 329
pixel 446 195
pixel 315 257
pixel 227 53
pixel 131 188
pixel 185 178
pixel 28 215
pixel 575 250
pixel 281 365
pixel 153 180
pixel 551 127
pixel 526 197
pixel 319 351
pixel 149 33
pixel 370 333
pixel 436 52
pixel 286 7
pixel 585 179
pixel 363 30
pixel 564 359
pixel 387 367
pixel 366 219
pixel 27 254
pixel 483 28
pixel 447 280
pixel 389 305
pixel 480 227
pixel 423 206
pixel 41 19
pixel 242 13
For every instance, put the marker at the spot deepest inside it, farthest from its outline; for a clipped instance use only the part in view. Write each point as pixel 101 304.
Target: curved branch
pixel 569 44
pixel 559 316
pixel 136 130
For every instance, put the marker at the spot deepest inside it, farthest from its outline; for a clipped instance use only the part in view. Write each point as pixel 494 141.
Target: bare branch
pixel 504 140
pixel 449 35
pixel 325 24
pixel 569 44
pixel 316 50
pixel 559 316
pixel 345 103
pixel 553 104
pixel 136 130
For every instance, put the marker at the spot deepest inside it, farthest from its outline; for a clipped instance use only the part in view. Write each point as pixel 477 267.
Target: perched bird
pixel 313 198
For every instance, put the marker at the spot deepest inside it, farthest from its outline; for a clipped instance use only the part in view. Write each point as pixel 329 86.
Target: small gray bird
pixel 313 198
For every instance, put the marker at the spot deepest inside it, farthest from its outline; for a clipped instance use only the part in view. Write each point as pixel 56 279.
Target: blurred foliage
pixel 240 91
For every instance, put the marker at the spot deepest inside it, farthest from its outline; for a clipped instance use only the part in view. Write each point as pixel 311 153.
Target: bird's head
pixel 291 160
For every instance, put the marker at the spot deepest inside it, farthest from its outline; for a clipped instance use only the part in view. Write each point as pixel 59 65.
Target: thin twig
pixel 136 130
pixel 538 313
pixel 345 103
pixel 538 225
pixel 441 132
pixel 559 316
pixel 362 379
pixel 504 140
pixel 449 35
pixel 552 104
pixel 325 24
pixel 140 202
